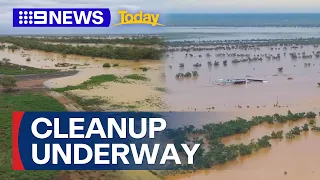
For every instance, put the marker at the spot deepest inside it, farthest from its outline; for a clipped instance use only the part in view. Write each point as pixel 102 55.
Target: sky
pixel 163 6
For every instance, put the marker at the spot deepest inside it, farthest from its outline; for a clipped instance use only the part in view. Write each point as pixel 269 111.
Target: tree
pixel 311 115
pixel 295 131
pixel 289 135
pixel 305 127
pixel 4 61
pixel 8 82
pixel 106 65
pixel 277 135
pixel 312 122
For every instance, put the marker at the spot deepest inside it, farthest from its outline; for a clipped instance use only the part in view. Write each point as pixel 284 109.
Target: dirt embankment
pixel 35 81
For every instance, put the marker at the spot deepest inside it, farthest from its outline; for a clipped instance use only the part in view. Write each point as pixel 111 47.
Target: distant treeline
pixel 258 42
pixel 152 40
pixel 108 51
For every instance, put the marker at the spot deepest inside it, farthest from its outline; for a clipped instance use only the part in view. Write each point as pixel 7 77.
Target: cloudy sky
pixel 165 6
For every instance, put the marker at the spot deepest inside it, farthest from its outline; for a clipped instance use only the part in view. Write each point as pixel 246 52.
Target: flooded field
pixel 89 67
pixel 294 88
pixel 287 159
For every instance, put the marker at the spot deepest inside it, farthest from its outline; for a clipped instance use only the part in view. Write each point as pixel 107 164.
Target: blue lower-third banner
pixel 97 141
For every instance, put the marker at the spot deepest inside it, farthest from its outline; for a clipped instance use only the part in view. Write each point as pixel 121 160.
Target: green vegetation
pixel 108 51
pixel 93 81
pixel 87 104
pixel 21 102
pixel 277 135
pixel 106 65
pixel 311 115
pixel 219 153
pixel 8 82
pixel 97 80
pixel 92 104
pixel 305 127
pixel 136 77
pixel 144 69
pixel 161 89
pixel 152 40
pixel 13 47
pixel 13 69
pixel 312 122
pixel 109 65
pixel 296 131
pixel 314 128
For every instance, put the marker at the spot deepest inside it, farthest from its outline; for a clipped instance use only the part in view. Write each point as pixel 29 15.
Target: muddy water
pixel 300 157
pixel 117 93
pixel 87 66
pixel 202 93
pixel 41 59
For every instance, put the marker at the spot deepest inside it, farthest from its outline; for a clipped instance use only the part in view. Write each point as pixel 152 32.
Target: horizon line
pixel 241 13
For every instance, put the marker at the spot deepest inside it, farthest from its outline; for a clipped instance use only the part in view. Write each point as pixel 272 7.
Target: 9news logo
pixel 24 19
pixel 61 17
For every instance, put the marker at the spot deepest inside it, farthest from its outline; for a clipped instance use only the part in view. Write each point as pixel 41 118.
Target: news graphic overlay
pixel 96 141
pixel 61 17
pixel 140 18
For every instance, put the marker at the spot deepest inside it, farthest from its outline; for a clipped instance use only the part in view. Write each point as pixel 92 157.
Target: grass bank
pixel 21 102
pixel 149 40
pixel 97 80
pixel 14 69
pixel 93 81
pixel 40 102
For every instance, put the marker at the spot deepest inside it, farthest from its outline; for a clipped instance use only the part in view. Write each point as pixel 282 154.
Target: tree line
pixel 219 153
pixel 149 40
pixel 250 42
pixel 108 51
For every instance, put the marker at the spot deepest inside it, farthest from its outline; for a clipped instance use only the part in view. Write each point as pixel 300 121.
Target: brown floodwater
pixel 299 158
pixel 118 93
pixel 41 59
pixel 87 66
pixel 201 93
pixel 295 160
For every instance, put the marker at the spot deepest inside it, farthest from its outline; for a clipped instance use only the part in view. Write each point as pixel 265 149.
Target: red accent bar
pixel 16 160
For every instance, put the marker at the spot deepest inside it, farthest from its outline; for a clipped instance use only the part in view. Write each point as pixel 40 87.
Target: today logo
pixel 139 18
